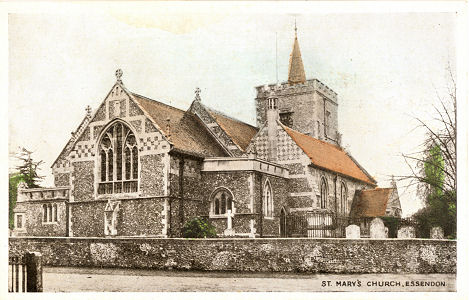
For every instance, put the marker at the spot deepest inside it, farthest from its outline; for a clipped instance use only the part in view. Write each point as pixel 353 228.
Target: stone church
pixel 139 167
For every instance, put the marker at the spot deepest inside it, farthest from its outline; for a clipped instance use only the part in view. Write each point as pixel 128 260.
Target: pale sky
pixel 385 67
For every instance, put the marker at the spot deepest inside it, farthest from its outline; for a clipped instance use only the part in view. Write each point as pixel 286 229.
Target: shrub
pixel 198 228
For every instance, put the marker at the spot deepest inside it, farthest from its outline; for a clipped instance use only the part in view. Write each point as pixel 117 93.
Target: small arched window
pixel 44 213
pixel 343 197
pixel 323 193
pixel 118 155
pixel 222 201
pixel 55 213
pixel 268 202
pixel 49 213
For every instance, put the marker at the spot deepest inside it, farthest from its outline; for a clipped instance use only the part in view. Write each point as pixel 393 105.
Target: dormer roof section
pixel 232 134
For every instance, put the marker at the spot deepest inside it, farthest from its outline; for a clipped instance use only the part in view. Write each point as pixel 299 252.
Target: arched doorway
pixel 283 222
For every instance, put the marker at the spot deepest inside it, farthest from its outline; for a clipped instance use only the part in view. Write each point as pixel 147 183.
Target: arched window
pixel 343 197
pixel 222 201
pixel 323 193
pixel 55 213
pixel 44 213
pixel 118 155
pixel 268 203
pixel 49 213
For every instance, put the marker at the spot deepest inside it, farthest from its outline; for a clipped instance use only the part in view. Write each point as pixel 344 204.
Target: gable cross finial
pixel 197 94
pixel 119 74
pixel 88 111
pixel 168 128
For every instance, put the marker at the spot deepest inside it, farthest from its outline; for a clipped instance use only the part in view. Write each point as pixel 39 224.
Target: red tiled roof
pixel 240 132
pixel 371 203
pixel 187 133
pixel 328 156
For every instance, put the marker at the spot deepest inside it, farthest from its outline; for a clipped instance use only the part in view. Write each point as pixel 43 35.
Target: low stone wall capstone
pixel 256 255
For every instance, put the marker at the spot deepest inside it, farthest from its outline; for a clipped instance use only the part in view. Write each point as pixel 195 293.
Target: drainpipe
pixel 324 113
pixel 335 194
pixel 261 213
pixel 67 218
pixel 181 193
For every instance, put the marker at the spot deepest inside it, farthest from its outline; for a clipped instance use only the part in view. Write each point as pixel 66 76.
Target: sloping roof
pixel 68 147
pixel 240 132
pixel 186 131
pixel 328 156
pixel 296 70
pixel 371 203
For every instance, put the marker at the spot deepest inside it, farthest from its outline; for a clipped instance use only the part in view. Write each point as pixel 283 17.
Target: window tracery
pixel 118 155
pixel 222 201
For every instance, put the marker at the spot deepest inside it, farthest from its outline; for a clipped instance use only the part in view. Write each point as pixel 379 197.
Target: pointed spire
pixel 296 70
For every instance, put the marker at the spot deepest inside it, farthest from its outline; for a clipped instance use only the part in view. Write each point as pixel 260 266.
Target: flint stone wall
pixel 255 255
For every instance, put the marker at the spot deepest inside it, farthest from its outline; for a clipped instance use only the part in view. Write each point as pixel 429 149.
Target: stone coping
pixel 222 239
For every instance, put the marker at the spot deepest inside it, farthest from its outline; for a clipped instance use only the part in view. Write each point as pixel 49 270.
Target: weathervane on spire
pixel 295 27
pixel 197 94
pixel 119 74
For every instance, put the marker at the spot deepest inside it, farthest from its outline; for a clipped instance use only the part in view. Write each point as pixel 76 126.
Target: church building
pixel 139 167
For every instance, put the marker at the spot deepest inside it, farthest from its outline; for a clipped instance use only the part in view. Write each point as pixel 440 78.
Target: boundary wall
pixel 246 255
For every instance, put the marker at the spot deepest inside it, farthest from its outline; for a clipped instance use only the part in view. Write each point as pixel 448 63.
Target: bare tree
pixel 443 137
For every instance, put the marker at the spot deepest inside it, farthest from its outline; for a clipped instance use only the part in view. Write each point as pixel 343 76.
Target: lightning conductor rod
pixel 276 58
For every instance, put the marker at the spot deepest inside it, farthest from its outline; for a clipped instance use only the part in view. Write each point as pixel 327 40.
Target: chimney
pixel 272 117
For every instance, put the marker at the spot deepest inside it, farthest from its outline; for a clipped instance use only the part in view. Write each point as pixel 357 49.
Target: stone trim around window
pixel 19 222
pixel 50 214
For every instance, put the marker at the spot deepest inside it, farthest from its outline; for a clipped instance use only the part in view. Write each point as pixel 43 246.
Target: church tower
pixel 307 106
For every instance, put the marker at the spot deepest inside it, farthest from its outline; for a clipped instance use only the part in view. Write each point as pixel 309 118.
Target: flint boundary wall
pixel 247 255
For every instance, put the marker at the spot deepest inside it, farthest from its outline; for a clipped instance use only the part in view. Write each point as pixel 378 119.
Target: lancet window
pixel 268 200
pixel 323 193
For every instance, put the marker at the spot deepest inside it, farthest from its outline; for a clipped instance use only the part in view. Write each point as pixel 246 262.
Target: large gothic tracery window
pixel 118 155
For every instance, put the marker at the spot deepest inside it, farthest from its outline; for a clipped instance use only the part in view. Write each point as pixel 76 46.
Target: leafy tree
pixel 26 172
pixel 434 166
pixel 198 228
pixel 14 180
pixel 28 169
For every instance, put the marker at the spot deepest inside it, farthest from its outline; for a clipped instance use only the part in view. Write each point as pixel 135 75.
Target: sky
pixel 387 69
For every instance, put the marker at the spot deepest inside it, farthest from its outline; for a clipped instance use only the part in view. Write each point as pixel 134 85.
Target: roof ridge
pixel 74 138
pixel 377 189
pixel 146 98
pixel 308 136
pixel 227 116
pixel 302 140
